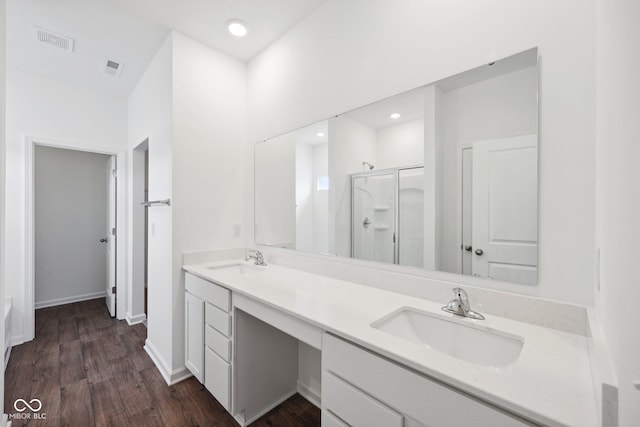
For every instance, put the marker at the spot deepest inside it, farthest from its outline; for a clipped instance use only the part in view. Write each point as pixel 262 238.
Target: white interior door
pixel 111 236
pixel 505 208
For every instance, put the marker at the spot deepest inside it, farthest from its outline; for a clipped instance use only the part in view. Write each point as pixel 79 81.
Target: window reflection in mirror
pixel 443 177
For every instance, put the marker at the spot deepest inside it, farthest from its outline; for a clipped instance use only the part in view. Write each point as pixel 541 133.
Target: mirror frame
pixel 482 282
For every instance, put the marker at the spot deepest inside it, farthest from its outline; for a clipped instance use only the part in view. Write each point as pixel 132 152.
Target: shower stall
pixel 387 215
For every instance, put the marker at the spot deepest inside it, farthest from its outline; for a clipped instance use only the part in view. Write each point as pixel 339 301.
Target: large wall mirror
pixel 443 177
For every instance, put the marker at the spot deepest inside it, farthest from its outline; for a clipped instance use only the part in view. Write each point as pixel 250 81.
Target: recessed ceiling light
pixel 237 27
pixel 320 134
pixel 395 116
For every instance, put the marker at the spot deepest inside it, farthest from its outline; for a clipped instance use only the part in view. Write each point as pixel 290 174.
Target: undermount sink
pixel 241 268
pixel 472 343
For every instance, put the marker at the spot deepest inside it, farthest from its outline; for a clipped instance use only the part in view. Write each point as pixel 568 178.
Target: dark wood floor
pixel 89 369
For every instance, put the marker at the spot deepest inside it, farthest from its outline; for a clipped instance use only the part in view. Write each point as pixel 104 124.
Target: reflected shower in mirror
pixel 443 177
pixel 387 216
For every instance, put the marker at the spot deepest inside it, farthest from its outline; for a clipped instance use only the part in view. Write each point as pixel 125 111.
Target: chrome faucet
pixel 460 305
pixel 257 255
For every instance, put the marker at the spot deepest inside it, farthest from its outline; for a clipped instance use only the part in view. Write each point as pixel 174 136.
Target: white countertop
pixel 550 383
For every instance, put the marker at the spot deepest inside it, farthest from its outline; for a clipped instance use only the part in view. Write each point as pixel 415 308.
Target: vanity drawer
pixel 355 407
pixel 217 377
pixel 421 398
pixel 330 420
pixel 208 291
pixel 218 319
pixel 217 342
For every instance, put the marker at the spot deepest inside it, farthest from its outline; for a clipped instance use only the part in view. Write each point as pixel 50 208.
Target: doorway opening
pixel 24 329
pixel 140 195
pixel 74 199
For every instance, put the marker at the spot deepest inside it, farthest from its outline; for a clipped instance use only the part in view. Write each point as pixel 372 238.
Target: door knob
pixel 479 252
pixel 468 248
pixel 103 240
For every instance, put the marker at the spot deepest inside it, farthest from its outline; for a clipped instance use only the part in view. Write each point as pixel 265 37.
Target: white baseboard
pixel 134 320
pixel 17 340
pixel 178 375
pixel 158 361
pixel 171 377
pixel 313 396
pixel 7 355
pixel 69 300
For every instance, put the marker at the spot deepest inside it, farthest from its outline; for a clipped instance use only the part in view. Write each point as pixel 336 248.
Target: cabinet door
pixel 194 335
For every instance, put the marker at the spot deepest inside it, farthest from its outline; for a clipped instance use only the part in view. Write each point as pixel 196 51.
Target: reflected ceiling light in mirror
pixel 320 134
pixel 395 116
pixel 236 27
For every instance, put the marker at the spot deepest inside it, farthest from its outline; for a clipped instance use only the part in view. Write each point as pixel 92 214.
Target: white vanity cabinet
pixel 361 388
pixel 208 336
pixel 194 335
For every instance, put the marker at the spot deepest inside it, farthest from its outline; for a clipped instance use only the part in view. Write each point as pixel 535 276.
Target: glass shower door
pixel 410 234
pixel 373 217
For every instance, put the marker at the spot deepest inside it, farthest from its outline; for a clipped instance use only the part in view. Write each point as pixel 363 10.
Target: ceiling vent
pixel 52 39
pixel 113 68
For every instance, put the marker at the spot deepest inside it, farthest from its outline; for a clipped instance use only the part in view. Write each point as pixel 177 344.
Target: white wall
pixel 209 151
pixel 377 48
pixel 310 371
pixel 275 191
pixel 433 147
pixel 191 104
pixel 70 197
pixel 400 145
pixel 320 199
pixel 304 197
pixel 618 152
pixel 351 143
pixel 411 217
pixel 50 111
pixel 149 116
pixel 311 204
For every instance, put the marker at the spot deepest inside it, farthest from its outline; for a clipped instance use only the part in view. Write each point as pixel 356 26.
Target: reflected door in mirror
pixel 505 194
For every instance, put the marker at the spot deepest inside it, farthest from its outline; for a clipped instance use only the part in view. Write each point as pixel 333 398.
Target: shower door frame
pixel 396 202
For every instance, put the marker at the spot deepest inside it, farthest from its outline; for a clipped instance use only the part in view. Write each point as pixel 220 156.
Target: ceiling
pixel 315 134
pixel 131 31
pixel 410 106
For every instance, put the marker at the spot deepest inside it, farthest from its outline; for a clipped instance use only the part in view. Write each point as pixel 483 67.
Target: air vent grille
pixel 112 68
pixel 52 39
